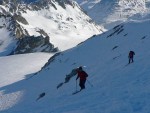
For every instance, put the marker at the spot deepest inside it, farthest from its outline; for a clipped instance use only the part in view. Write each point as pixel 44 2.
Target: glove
pixel 76 78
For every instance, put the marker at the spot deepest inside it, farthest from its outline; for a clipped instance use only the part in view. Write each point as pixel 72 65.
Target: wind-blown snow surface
pixel 117 88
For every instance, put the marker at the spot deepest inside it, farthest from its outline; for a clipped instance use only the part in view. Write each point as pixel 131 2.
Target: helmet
pixel 80 68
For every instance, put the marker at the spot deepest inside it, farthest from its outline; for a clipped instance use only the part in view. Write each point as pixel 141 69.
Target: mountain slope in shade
pixel 111 13
pixel 117 87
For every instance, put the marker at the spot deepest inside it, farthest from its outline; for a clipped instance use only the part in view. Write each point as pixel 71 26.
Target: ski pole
pixel 76 85
pixel 90 83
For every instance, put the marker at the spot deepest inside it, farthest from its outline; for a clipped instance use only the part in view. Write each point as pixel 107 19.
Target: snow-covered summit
pixel 112 12
pixel 87 4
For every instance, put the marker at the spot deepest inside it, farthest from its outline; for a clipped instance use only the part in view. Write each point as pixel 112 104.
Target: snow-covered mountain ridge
pixel 111 13
pixel 118 88
pixel 62 22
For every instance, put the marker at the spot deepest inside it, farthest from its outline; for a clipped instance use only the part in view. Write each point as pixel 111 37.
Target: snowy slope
pixel 14 68
pixel 87 4
pixel 117 88
pixel 66 27
pixel 113 12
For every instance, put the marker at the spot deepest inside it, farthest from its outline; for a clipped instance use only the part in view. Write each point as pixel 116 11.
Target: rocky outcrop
pixel 20 19
pixel 46 3
pixel 30 44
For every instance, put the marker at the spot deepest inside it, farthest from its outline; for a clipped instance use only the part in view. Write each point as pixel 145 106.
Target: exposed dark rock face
pixel 42 32
pixel 15 28
pixel 19 18
pixel 30 44
pixel 46 3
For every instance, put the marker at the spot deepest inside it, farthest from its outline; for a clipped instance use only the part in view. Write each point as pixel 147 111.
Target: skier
pixel 131 54
pixel 82 75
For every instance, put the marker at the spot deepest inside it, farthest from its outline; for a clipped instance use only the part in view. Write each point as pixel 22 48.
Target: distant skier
pixel 82 75
pixel 131 55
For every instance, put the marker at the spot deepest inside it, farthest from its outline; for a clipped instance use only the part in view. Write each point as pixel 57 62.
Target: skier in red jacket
pixel 82 75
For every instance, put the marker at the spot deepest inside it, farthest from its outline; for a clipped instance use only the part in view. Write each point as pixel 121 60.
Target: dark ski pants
pixel 131 60
pixel 82 84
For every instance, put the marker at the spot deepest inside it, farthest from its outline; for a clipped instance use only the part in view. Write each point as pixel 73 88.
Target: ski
pixel 128 64
pixel 76 92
